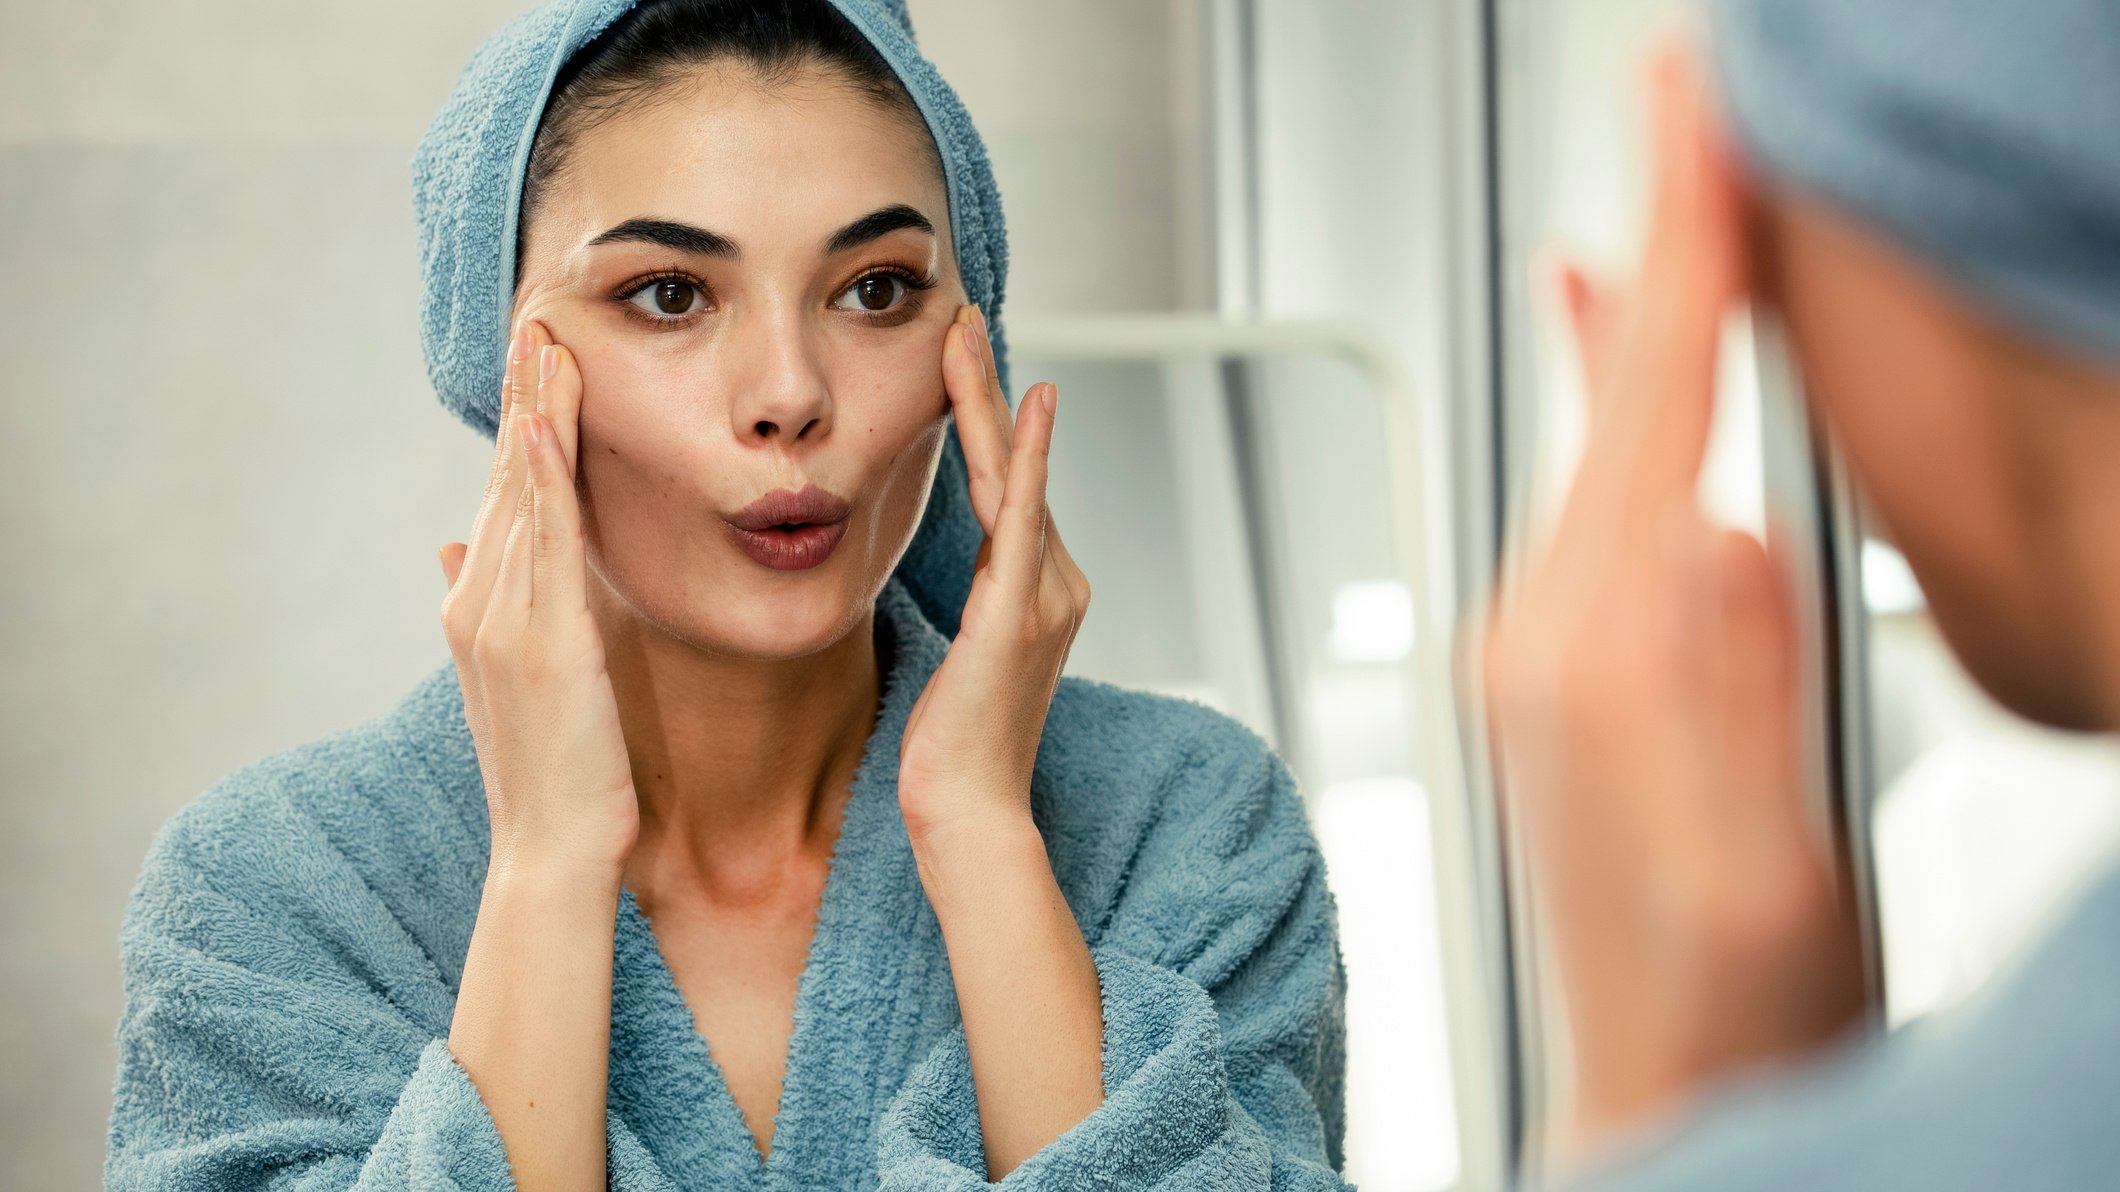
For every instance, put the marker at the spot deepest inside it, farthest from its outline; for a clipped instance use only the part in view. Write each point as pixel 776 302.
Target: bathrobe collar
pixel 875 952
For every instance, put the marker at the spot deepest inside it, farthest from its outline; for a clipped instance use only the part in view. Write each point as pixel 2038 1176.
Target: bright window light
pixel 1372 621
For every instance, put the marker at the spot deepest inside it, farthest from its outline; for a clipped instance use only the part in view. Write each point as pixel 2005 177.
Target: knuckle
pixel 493 648
pixel 459 624
pixel 1056 611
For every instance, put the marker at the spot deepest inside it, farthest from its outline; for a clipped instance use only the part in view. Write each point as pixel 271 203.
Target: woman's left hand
pixel 965 762
pixel 1027 988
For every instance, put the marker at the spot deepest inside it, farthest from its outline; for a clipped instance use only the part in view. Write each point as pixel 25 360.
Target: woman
pixel 1926 193
pixel 751 839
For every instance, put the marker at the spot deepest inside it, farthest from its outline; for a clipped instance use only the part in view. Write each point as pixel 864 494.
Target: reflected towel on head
pixel 1983 136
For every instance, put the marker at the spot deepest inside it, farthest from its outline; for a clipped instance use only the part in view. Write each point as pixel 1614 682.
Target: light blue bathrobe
pixel 296 938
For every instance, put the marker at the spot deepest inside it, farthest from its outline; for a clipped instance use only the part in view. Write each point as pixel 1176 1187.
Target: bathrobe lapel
pixel 873 996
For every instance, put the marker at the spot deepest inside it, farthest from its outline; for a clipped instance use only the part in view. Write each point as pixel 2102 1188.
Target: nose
pixel 783 398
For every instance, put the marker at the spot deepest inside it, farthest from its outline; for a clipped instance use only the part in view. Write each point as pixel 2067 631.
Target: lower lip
pixel 796 549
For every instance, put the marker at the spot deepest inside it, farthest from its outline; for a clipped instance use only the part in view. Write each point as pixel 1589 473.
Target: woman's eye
pixel 876 292
pixel 669 296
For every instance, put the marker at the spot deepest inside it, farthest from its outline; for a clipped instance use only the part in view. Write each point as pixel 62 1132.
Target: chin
pixel 724 604
pixel 2023 670
pixel 783 617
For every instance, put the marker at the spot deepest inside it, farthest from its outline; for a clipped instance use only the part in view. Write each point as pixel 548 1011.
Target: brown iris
pixel 673 297
pixel 875 291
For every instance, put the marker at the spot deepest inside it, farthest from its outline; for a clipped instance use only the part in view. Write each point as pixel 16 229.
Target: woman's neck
pixel 740 765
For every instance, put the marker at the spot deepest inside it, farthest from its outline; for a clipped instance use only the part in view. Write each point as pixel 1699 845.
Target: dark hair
pixel 655 43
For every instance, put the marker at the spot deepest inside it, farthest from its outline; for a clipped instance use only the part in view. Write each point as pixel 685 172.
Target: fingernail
pixel 522 341
pixel 532 436
pixel 547 362
pixel 1052 399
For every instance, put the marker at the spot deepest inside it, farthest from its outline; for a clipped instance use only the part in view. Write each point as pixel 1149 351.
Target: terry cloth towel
pixel 1983 136
pixel 296 937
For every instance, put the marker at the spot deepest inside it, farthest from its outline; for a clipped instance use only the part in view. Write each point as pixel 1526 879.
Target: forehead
pixel 764 163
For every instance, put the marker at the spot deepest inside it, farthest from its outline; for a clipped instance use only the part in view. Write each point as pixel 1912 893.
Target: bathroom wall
pixel 222 472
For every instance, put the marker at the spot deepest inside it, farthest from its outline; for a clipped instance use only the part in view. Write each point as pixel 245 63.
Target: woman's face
pixel 756 283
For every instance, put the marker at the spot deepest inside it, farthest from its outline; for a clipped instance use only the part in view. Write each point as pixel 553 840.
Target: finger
pixel 451 555
pixel 984 341
pixel 1019 534
pixel 559 399
pixel 1688 283
pixel 1594 309
pixel 986 448
pixel 521 344
pixel 514 581
pixel 508 486
pixel 556 533
pixel 1648 446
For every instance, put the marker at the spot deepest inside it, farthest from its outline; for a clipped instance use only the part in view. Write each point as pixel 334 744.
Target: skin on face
pixel 1986 459
pixel 767 370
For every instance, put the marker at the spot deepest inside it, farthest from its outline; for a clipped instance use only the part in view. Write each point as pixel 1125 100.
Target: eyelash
pixel 916 284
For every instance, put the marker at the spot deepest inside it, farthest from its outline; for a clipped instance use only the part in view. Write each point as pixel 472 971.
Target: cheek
pixel 642 451
pixel 1891 379
pixel 1937 463
pixel 893 413
pixel 1922 449
pixel 891 390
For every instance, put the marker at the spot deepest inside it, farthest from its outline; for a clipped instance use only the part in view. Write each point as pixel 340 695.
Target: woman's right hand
pixel 529 657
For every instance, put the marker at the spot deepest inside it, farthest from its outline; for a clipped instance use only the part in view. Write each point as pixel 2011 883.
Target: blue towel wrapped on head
pixel 1979 135
pixel 297 934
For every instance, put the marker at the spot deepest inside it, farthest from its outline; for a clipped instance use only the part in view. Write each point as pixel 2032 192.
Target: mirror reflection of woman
pixel 751 838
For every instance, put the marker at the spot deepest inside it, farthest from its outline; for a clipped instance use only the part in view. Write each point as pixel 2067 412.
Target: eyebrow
pixel 698 241
pixel 684 237
pixel 876 224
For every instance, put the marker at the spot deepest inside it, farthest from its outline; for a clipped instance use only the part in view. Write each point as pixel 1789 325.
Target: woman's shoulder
pixel 1153 736
pixel 368 815
pixel 1137 771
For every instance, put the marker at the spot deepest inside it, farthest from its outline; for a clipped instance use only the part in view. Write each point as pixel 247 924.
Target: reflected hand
pixel 972 737
pixel 1643 690
pixel 529 657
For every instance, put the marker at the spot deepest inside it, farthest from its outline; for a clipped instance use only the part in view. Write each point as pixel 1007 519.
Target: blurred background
pixel 1281 255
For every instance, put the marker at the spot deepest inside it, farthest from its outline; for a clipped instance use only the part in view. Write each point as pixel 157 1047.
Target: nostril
pixel 765 429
